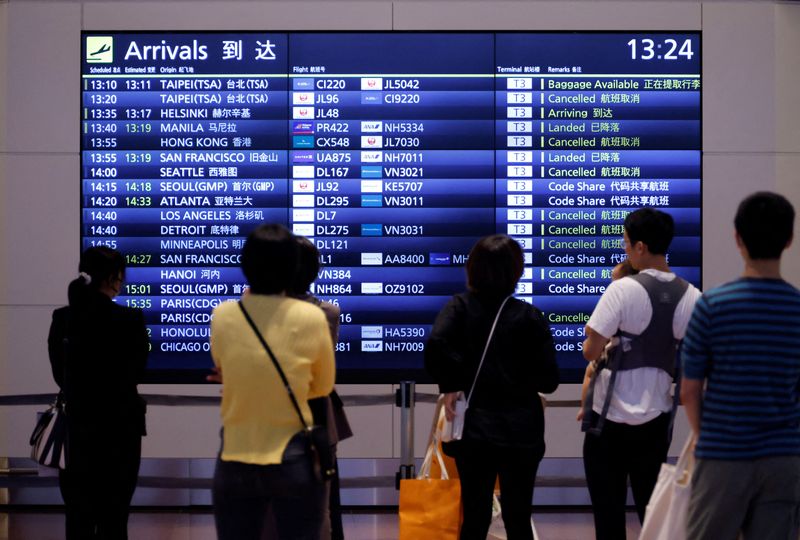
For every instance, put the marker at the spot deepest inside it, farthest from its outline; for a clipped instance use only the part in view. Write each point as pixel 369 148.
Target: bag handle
pixel 486 348
pixel 682 474
pixel 433 449
pixel 275 363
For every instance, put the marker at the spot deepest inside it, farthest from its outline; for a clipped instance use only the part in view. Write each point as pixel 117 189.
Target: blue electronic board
pixel 393 152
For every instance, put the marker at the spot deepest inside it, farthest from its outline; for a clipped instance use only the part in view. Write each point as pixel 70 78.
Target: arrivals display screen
pixel 393 152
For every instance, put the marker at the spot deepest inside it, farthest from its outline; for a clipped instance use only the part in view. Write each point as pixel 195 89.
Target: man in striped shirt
pixel 743 341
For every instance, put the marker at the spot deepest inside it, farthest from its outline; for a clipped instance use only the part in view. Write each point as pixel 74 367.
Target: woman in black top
pixel 98 351
pixel 504 426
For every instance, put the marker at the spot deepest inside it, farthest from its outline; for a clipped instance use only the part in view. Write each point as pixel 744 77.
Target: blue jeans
pixel 243 494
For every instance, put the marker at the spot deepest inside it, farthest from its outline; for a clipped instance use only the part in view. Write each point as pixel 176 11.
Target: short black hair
pixel 269 258
pixel 653 228
pixel 307 266
pixel 494 266
pixel 765 223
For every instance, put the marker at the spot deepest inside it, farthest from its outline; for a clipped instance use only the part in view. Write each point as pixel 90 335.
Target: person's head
pixel 101 269
pixel 647 232
pixel 307 266
pixel 269 258
pixel 623 269
pixel 494 266
pixel 764 225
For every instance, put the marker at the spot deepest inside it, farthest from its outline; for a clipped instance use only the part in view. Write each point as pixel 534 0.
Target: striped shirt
pixel 744 338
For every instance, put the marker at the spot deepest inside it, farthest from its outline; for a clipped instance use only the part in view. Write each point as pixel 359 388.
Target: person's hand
pixel 450 405
pixel 216 375
pixel 579 416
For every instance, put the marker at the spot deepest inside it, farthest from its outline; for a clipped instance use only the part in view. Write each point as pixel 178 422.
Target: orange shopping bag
pixel 430 507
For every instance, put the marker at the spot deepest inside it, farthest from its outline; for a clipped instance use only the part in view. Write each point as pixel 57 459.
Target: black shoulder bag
pixel 315 438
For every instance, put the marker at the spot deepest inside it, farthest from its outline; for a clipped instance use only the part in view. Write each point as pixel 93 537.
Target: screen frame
pixel 372 375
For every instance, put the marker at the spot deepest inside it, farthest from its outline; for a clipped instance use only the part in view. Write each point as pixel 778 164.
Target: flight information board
pixel 393 152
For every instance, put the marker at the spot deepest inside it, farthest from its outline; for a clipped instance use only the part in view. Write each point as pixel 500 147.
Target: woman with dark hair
pixel 98 352
pixel 504 426
pixel 262 467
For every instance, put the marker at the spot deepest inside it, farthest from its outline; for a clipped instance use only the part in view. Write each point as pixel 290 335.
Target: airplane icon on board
pixel 104 49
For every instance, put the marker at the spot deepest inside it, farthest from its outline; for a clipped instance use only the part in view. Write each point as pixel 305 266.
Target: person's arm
pixel 140 345
pixel 323 370
pixel 696 360
pixel 55 348
pixel 332 313
pixel 692 399
pixel 593 345
pixel 443 359
pixel 587 377
pixel 606 318
pixel 216 341
pixel 547 374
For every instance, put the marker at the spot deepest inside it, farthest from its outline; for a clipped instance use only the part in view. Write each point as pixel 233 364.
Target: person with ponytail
pixel 98 352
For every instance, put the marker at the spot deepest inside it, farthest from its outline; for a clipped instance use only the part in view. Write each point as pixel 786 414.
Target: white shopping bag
pixel 453 430
pixel 665 517
pixel 497 531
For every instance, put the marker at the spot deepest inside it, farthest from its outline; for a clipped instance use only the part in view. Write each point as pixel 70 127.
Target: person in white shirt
pixel 634 439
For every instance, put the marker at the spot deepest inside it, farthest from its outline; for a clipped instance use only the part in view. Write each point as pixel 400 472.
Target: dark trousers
pixel 479 464
pixel 243 495
pixel 621 452
pixel 98 484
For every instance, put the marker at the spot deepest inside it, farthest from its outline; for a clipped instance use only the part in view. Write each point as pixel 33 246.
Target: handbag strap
pixel 275 363
pixel 434 447
pixel 486 348
pixel 684 467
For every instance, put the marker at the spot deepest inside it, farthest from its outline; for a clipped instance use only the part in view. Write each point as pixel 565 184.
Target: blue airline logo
pixel 371 229
pixel 371 200
pixel 371 99
pixel 439 259
pixel 371 171
pixel 302 84
pixel 303 141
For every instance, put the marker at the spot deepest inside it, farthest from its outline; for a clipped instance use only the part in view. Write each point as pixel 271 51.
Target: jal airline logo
pixel 371 141
pixel 371 157
pixel 372 83
pixel 300 113
pixel 371 127
pixel 302 98
pixel 99 49
pixel 303 186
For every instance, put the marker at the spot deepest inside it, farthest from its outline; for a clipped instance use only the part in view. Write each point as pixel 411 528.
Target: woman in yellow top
pixel 257 467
